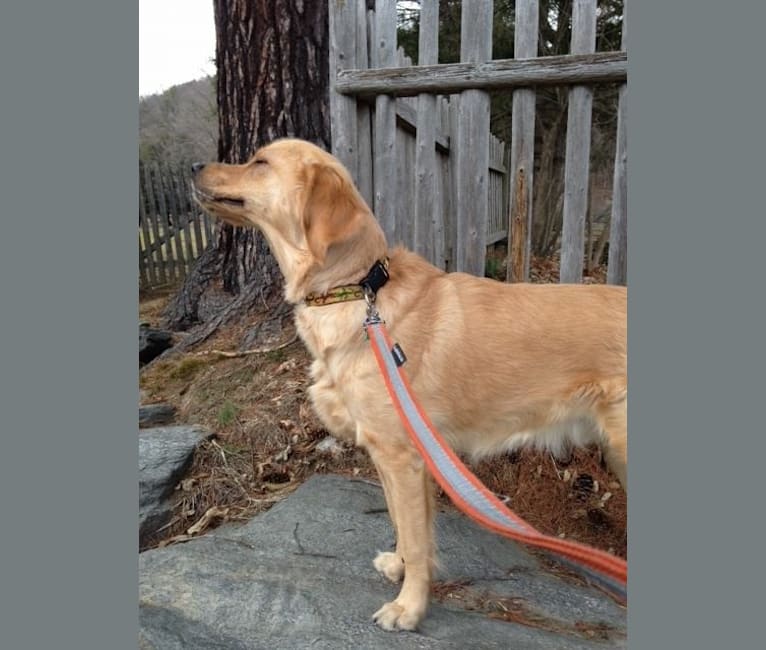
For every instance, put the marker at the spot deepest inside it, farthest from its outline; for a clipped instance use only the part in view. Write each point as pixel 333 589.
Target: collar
pixel 372 282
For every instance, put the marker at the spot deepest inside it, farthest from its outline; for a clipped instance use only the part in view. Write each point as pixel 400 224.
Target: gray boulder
pixel 301 576
pixel 152 342
pixel 155 415
pixel 164 455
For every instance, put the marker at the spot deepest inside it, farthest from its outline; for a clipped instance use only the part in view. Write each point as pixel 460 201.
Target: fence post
pixel 384 166
pixel 363 110
pixel 617 269
pixel 170 256
pixel 147 255
pixel 425 150
pixel 185 211
pixel 144 277
pixel 451 184
pixel 152 214
pixel 577 149
pixel 473 142
pixel 178 226
pixel 194 213
pixel 343 26
pixel 521 172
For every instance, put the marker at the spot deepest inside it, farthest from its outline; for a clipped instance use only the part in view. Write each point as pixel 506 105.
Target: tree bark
pixel 272 81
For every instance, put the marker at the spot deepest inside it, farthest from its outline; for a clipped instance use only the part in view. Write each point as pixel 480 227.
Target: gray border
pixel 68 394
pixel 68 460
pixel 696 330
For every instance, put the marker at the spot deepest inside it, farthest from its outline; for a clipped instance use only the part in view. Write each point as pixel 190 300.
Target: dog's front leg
pixel 410 503
pixel 388 564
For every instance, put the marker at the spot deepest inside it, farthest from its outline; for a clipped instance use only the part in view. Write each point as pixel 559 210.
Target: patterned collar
pixel 373 281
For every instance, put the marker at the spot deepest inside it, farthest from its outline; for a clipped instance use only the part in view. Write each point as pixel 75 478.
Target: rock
pixel 300 575
pixel 154 415
pixel 164 454
pixel 152 342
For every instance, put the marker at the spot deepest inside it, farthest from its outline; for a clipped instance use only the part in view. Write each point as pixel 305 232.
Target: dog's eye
pixel 261 161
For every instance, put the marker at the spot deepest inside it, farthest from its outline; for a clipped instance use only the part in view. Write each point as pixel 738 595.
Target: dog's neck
pixel 344 264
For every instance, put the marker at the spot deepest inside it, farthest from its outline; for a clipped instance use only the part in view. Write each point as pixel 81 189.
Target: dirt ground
pixel 268 441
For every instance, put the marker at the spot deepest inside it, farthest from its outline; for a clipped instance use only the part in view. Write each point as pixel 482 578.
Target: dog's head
pixel 301 197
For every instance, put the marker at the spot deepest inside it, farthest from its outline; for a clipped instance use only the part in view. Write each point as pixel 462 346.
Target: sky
pixel 176 43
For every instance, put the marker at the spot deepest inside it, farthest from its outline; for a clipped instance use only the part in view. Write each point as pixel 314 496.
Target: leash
pixel 462 486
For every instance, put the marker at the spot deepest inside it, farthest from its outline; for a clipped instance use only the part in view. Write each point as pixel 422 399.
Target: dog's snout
pixel 197 167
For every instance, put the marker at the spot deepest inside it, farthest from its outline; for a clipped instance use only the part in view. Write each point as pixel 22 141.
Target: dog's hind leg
pixel 410 501
pixel 614 424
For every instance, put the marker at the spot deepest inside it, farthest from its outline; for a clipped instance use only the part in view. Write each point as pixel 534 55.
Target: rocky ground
pixel 237 437
pixel 301 576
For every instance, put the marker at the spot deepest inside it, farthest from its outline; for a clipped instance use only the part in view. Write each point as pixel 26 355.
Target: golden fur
pixel 494 365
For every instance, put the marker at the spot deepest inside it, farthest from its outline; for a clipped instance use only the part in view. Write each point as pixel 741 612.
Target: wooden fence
pixel 172 230
pixel 436 178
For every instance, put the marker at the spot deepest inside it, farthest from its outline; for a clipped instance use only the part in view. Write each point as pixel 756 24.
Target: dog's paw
pixel 393 616
pixel 389 565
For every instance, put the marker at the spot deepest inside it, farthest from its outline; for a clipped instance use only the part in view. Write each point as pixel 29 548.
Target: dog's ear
pixel 332 211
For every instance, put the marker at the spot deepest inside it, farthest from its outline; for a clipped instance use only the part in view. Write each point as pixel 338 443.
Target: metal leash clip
pixel 373 317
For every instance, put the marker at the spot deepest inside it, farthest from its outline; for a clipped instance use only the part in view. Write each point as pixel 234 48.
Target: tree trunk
pixel 272 81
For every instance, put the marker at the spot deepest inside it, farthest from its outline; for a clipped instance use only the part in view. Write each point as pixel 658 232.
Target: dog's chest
pixel 336 350
pixel 334 337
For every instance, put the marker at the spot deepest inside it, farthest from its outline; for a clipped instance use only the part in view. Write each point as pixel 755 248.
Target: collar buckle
pixel 376 278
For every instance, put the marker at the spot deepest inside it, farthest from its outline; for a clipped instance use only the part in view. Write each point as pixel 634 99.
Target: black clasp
pixel 376 278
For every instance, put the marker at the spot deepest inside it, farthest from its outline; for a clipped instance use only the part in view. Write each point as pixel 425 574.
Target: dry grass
pixel 267 434
pixel 151 304
pixel 579 499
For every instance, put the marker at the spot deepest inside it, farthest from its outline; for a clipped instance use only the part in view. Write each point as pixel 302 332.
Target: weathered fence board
pixel 153 208
pixel 208 226
pixel 194 211
pixel 343 30
pixel 447 78
pixel 184 212
pixel 407 118
pixel 617 270
pixel 159 191
pixel 577 163
pixel 363 111
pixel 384 147
pixel 473 142
pixel 522 149
pixel 426 207
pixel 146 261
pixel 497 213
pixel 145 268
pixel 405 188
pixel 453 180
pixel 179 221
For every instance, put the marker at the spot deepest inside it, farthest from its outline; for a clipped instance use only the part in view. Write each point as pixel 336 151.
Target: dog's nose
pixel 197 167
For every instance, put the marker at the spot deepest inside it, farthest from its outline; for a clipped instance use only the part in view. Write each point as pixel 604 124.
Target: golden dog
pixel 494 365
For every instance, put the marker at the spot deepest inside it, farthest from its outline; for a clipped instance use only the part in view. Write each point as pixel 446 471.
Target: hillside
pixel 180 124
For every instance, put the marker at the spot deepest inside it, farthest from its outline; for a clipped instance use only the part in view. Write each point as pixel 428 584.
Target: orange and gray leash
pixel 467 491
